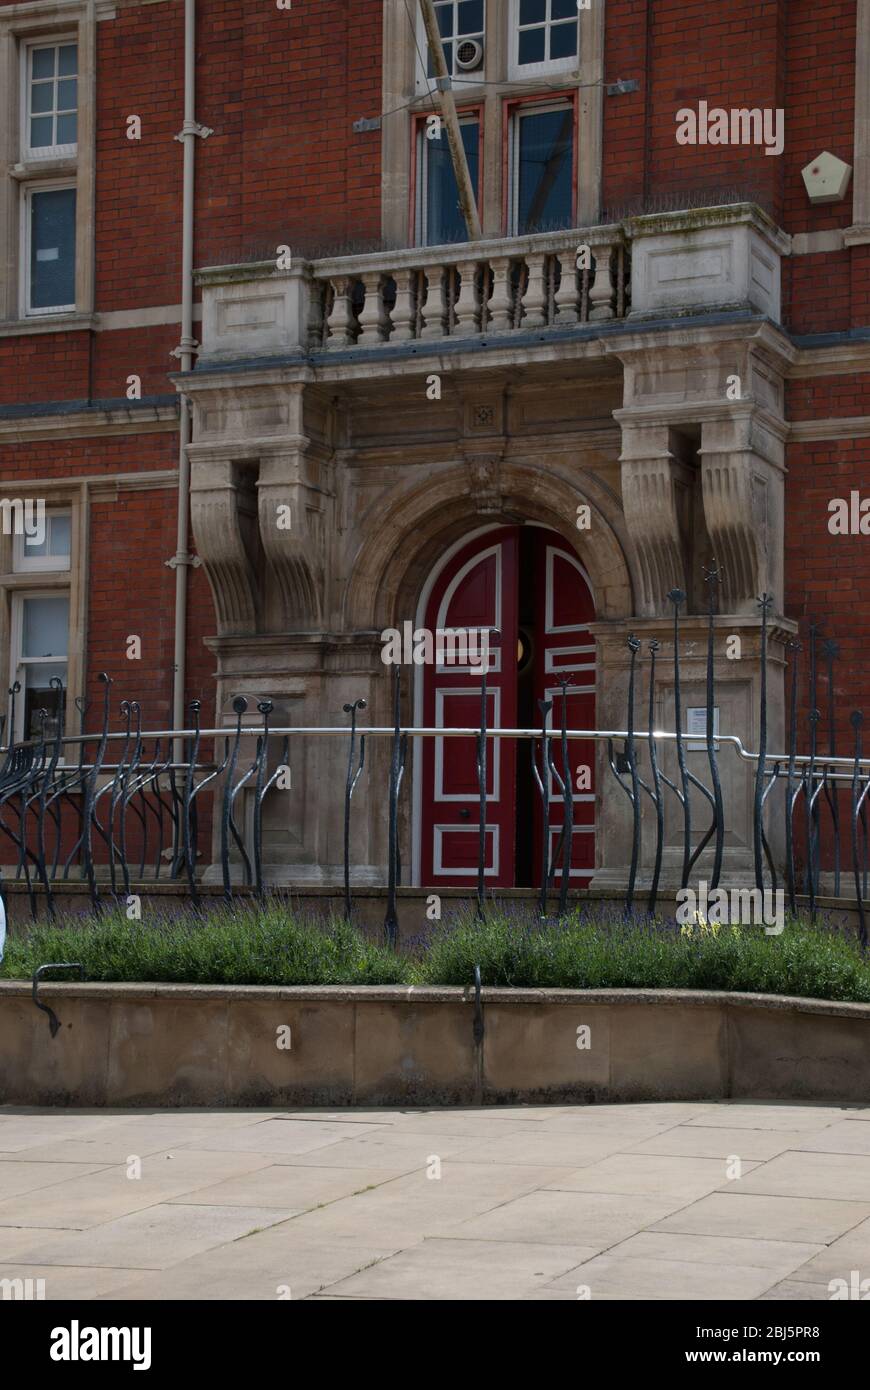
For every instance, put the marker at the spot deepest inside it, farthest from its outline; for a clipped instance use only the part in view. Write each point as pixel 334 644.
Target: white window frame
pixel 17 662
pixel 29 154
pixel 425 83
pixel 529 108
pixel 22 563
pixel 517 71
pixel 50 186
pixel 424 145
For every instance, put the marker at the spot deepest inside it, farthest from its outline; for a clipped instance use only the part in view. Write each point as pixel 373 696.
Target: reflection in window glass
pixel 52 235
pixel 42 658
pixel 52 97
pixel 45 627
pixel 54 546
pixel 440 216
pixel 547 31
pixel 543 151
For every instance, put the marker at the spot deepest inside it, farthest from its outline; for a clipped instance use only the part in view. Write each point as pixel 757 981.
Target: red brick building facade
pixel 290 152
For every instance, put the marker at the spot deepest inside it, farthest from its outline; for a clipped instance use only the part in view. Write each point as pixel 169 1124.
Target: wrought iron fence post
pixel 757 821
pixel 631 754
pixel 264 707
pixel 858 796
pixel 89 812
pixel 812 793
pixel 542 782
pixel 567 804
pixel 353 777
pixel 187 828
pixel 712 577
pixel 810 808
pixel 677 598
pixel 391 920
pixel 481 779
pixel 832 651
pixel 240 705
pixel 654 647
pixel 790 794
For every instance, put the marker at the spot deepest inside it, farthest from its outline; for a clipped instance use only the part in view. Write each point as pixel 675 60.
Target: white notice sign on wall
pixel 696 727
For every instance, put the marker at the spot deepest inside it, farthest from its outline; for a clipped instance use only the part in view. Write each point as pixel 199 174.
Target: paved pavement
pixel 689 1201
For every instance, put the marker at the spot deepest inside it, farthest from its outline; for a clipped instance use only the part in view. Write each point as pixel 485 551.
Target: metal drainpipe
pixel 182 559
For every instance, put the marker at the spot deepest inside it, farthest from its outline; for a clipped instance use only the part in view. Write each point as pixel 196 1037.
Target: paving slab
pixel 593 1219
pixel 782 1257
pixel 293 1186
pixel 789 1291
pixel 256 1269
pixel 109 1193
pixel 771 1115
pixel 715 1141
pixel 18 1176
pixel 576 1149
pixel 806 1219
pixel 277 1135
pixel 845 1137
pixel 837 1260
pixel 388 1149
pixel 660 1175
pixel 845 1177
pixel 416 1205
pixel 154 1239
pixel 466 1269
pixel 615 1276
pixel 69 1281
pixel 517 1202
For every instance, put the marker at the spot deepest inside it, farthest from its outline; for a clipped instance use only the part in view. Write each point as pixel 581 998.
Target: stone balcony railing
pixel 460 291
pixel 675 263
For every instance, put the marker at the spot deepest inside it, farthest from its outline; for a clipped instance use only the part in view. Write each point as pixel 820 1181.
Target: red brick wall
pixel 828 577
pixel 281 90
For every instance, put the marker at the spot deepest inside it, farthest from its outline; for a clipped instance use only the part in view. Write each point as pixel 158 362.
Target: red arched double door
pixel 526 582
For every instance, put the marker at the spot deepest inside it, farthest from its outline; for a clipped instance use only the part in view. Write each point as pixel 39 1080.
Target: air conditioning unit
pixel 469 55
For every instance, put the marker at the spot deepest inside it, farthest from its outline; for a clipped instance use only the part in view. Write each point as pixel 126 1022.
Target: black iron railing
pixel 119 807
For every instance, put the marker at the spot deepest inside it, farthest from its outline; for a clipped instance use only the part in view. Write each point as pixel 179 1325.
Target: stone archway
pixel 407 532
pixel 409 528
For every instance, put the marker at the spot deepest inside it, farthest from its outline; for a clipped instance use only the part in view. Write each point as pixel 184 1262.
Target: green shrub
pixel 238 946
pixel 583 953
pixel 275 946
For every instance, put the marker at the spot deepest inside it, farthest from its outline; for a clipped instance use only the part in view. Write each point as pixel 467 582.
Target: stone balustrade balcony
pixel 658 266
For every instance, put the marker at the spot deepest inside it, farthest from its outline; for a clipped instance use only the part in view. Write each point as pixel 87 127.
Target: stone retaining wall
pixel 189 1045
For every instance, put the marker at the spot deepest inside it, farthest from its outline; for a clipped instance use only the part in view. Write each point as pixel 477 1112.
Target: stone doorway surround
pixel 664 418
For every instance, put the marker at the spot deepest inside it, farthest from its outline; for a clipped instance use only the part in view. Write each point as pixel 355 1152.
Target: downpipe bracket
pixel 193 128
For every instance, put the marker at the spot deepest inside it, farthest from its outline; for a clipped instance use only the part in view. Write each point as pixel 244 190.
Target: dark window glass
pixel 533 11
pixel 43 62
pixel 470 17
pixel 544 192
pixel 39 694
pixel 563 9
pixel 52 248
pixel 444 14
pixel 563 41
pixel 532 45
pixel 444 220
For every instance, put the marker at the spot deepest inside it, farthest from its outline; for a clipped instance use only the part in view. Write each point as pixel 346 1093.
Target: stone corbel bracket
pixel 217 511
pixel 291 505
pixel 742 480
pixel 649 476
